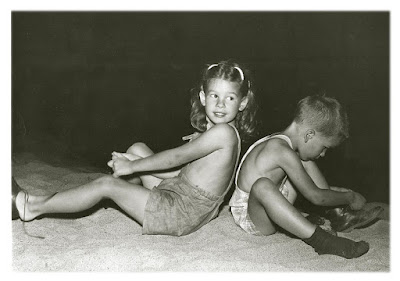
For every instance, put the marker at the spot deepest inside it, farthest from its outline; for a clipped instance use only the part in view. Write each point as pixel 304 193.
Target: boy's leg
pixel 292 192
pixel 266 203
pixel 264 194
pixel 129 197
pixel 310 216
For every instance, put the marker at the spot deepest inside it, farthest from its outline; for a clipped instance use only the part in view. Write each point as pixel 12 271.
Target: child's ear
pixel 243 104
pixel 310 133
pixel 202 97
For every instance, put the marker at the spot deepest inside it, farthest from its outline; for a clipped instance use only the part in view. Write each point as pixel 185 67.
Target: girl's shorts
pixel 178 207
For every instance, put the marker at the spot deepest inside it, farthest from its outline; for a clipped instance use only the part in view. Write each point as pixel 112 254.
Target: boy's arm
pixel 216 138
pixel 293 167
pixel 318 178
pixel 315 174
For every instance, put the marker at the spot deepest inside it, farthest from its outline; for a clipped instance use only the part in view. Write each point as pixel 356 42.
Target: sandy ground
pixel 107 240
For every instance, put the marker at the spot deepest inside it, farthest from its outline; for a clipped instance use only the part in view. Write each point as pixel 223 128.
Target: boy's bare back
pixel 265 161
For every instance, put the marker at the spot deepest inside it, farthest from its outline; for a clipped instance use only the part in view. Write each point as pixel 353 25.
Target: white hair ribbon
pixel 240 71
pixel 211 66
pixel 237 68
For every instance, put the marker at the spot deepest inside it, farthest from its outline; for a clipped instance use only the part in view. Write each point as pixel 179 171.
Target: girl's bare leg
pixel 268 206
pixel 129 197
pixel 149 180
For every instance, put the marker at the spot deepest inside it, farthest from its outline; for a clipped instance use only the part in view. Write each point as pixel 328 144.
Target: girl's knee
pixel 106 183
pixel 139 149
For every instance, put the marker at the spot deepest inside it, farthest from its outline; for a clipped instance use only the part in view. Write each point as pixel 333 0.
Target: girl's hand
pixel 120 163
pixel 122 167
pixel 191 137
pixel 358 201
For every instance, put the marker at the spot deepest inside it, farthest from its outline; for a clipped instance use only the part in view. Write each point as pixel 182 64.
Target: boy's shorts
pixel 239 209
pixel 178 207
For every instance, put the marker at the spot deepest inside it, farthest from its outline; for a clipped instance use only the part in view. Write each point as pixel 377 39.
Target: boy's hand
pixel 358 201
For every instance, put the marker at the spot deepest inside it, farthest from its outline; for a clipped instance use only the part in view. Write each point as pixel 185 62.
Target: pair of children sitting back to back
pixel 177 191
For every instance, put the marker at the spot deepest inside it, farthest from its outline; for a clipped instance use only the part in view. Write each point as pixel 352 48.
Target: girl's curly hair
pixel 226 70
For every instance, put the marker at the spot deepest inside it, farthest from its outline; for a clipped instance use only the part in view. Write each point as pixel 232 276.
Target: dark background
pixel 87 83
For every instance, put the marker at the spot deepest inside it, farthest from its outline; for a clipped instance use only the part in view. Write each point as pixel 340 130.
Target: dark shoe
pixel 345 219
pixel 322 223
pixel 315 219
pixel 14 192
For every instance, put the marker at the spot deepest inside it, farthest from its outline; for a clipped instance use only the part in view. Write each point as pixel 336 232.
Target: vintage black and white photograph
pixel 200 141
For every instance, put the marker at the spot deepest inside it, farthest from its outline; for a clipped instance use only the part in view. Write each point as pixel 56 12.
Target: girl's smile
pixel 222 101
pixel 219 114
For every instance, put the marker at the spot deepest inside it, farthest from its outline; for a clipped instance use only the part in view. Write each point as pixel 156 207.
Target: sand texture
pixel 107 240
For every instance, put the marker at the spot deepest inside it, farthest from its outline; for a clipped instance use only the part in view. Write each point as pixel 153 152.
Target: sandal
pixel 16 189
pixel 14 192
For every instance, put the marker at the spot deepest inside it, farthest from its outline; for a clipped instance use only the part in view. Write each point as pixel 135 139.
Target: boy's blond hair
pixel 324 114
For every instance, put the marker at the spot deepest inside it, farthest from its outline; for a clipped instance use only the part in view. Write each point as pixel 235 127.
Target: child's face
pixel 222 101
pixel 316 145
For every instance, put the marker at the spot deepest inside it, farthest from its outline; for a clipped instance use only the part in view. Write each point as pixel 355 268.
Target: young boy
pixel 274 165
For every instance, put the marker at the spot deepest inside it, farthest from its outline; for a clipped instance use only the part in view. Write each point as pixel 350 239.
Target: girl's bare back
pixel 214 172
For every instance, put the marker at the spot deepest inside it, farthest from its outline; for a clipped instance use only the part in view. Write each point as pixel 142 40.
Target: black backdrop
pixel 89 83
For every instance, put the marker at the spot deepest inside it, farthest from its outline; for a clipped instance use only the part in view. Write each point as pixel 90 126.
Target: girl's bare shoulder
pixel 223 133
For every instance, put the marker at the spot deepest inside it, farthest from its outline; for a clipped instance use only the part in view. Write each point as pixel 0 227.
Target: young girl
pixel 181 201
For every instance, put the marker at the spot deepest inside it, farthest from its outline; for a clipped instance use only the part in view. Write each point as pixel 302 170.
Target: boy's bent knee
pixel 262 186
pixel 264 189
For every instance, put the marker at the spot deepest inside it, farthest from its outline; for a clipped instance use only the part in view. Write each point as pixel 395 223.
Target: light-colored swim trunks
pixel 239 200
pixel 239 207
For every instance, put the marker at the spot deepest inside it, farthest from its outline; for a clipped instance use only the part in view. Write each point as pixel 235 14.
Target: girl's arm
pixel 132 157
pixel 218 137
